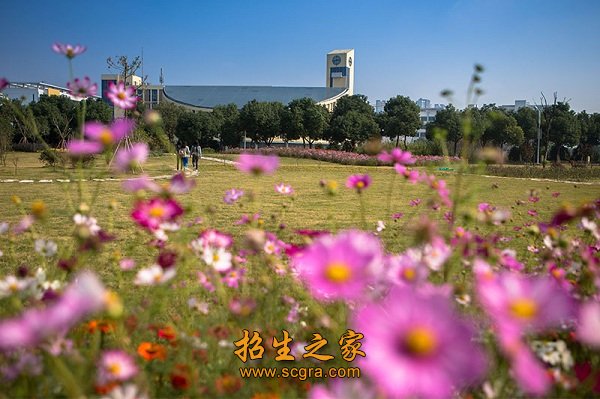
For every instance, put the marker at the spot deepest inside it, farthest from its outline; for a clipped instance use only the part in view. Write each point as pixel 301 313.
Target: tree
pixel 503 129
pixel 98 110
pixel 192 127
pixel 125 68
pixel 56 118
pixel 262 120
pixel 403 118
pixel 226 124
pixel 564 128
pixel 352 121
pixel 527 119
pixel 170 114
pixel 306 120
pixel 448 120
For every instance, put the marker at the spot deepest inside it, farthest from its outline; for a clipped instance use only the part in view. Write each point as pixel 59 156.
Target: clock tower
pixel 340 69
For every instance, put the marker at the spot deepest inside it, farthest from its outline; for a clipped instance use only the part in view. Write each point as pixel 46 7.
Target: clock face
pixel 336 60
pixel 350 61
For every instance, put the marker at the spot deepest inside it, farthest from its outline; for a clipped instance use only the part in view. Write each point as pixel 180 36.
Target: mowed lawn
pixel 310 208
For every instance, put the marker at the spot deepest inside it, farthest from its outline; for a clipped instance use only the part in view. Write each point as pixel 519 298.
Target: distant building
pixel 29 92
pixel 339 82
pixel 380 106
pixel 517 106
pixel 427 114
pixel 423 103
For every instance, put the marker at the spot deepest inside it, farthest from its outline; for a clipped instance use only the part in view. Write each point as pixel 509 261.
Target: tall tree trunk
pixel 397 140
pixel 455 147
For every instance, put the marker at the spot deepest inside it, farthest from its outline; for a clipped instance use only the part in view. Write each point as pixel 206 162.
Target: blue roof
pixel 211 96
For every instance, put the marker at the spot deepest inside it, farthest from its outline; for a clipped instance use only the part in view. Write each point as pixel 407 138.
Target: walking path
pixel 160 177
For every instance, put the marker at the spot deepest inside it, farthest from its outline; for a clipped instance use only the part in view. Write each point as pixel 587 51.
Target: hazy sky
pixel 413 48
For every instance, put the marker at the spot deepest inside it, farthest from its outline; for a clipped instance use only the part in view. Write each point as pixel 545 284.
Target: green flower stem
pixel 390 191
pixel 363 216
pixel 64 375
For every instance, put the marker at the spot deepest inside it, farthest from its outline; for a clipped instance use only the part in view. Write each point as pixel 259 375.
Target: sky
pixel 402 47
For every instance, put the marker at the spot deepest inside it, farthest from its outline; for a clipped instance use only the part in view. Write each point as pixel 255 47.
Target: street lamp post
pixel 539 133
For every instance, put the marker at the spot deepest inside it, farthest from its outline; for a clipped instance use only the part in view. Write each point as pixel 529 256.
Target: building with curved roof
pixel 339 82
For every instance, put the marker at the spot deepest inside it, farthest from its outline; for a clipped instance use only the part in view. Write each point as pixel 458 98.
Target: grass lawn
pixel 309 208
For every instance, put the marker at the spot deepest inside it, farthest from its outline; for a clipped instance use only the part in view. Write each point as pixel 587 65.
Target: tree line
pixel 352 122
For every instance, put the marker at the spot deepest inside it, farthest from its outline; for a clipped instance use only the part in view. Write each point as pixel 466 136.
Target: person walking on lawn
pixel 196 155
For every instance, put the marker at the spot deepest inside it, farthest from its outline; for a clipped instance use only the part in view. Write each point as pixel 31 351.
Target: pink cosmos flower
pixel 417 346
pixel 233 277
pixel 154 275
pixel 436 253
pixel 397 156
pixel 526 369
pixel 534 199
pixel 411 175
pixel 116 366
pixel 152 213
pixel 108 135
pixel 555 194
pixel 3 83
pixel 341 266
pixel 68 50
pixel 407 268
pixel 82 88
pixel 257 164
pixel 508 259
pixel 127 264
pixel 231 196
pixel 397 215
pixel 523 304
pixel 588 330
pixel 415 202
pixel 532 213
pixel 83 147
pixel 284 189
pixel 130 158
pixel 358 182
pixel 215 238
pixel 141 183
pixel 84 296
pixel 122 96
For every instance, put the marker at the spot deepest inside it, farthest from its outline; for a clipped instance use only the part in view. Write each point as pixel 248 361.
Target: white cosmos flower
pixel 46 248
pixel 218 258
pixel 153 275
pixel 11 285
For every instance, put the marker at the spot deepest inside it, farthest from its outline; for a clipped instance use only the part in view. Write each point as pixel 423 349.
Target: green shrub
pixel 51 157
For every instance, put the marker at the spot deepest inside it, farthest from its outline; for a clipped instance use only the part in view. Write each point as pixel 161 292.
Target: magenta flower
pixel 519 304
pixel 411 175
pixel 397 156
pixel 68 50
pixel 3 83
pixel 397 215
pixel 179 184
pixel 129 159
pixel 341 266
pixel 257 164
pixel 417 346
pixel 284 189
pixel 115 366
pixel 588 331
pixel 358 182
pixel 231 196
pixel 83 147
pixel 82 88
pixel 532 213
pixel 415 202
pixel 108 135
pixel 555 194
pixel 84 296
pixel 407 268
pixel 122 96
pixel 141 183
pixel 214 238
pixel 508 259
pixel 152 213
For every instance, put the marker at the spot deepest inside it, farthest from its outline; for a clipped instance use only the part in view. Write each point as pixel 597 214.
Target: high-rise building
pixel 423 103
pixel 380 106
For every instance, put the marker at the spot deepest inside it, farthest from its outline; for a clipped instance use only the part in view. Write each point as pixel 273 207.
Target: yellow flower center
pixel 360 184
pixel 216 258
pixel 409 274
pixel 114 368
pixel 70 53
pixel 13 287
pixel 121 95
pixel 338 272
pixel 106 137
pixel 156 211
pixel 524 308
pixel 420 341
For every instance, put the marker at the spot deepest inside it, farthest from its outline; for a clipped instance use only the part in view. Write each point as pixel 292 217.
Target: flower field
pixel 277 277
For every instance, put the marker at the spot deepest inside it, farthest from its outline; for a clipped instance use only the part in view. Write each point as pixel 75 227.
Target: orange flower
pixel 266 395
pixel 150 351
pixel 228 383
pixel 167 333
pixel 102 325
